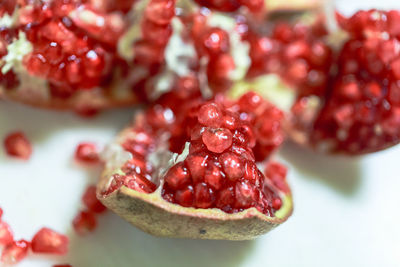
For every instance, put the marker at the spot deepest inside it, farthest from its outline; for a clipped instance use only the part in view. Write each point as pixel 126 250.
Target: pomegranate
pixel 54 53
pixel 190 170
pixel 339 97
pixel 362 112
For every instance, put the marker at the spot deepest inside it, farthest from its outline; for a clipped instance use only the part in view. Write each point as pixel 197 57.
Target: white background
pixel 346 209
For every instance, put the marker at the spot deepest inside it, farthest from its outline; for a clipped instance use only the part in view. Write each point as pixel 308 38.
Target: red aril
pixel 90 200
pixel 17 145
pixel 87 153
pixel 50 242
pixel 14 252
pixel 84 222
pixel 6 235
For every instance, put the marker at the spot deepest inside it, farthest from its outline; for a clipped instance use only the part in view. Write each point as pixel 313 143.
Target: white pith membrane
pixel 35 90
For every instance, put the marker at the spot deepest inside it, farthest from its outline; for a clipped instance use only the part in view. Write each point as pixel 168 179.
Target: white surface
pixel 346 209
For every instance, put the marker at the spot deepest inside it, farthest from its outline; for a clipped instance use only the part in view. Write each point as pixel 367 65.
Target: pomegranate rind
pixel 154 215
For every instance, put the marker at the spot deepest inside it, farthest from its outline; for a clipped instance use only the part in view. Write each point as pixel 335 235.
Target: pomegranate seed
pixel 232 165
pixel 277 203
pixel 139 183
pixel 210 115
pixel 1 213
pixel 196 164
pixel 160 11
pixel 17 145
pixel 204 196
pixel 217 140
pixel 214 176
pixel 216 41
pixel 184 197
pixel 15 252
pixel 87 153
pixel 250 101
pixel 6 235
pixel 136 164
pixel 276 169
pixel 246 194
pixel 177 176
pixel 226 199
pixel 49 241
pixel 84 223
pixel 91 202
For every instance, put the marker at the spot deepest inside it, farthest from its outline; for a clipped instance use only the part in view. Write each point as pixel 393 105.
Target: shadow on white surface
pixel 341 173
pixel 117 243
pixel 40 125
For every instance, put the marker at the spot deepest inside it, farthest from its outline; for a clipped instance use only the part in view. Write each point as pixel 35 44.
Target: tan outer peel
pixel 293 5
pixel 156 216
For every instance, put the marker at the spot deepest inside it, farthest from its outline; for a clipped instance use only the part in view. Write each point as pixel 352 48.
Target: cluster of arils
pixel 362 110
pixel 346 90
pixel 81 54
pixel 296 52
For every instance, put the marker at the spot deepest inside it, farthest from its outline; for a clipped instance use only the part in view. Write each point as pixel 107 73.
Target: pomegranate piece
pixel 214 169
pixel 73 63
pixel 87 153
pixel 14 252
pixel 345 99
pixel 17 145
pixel 360 115
pixel 49 242
pixel 91 202
pixel 84 223
pixel 6 235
